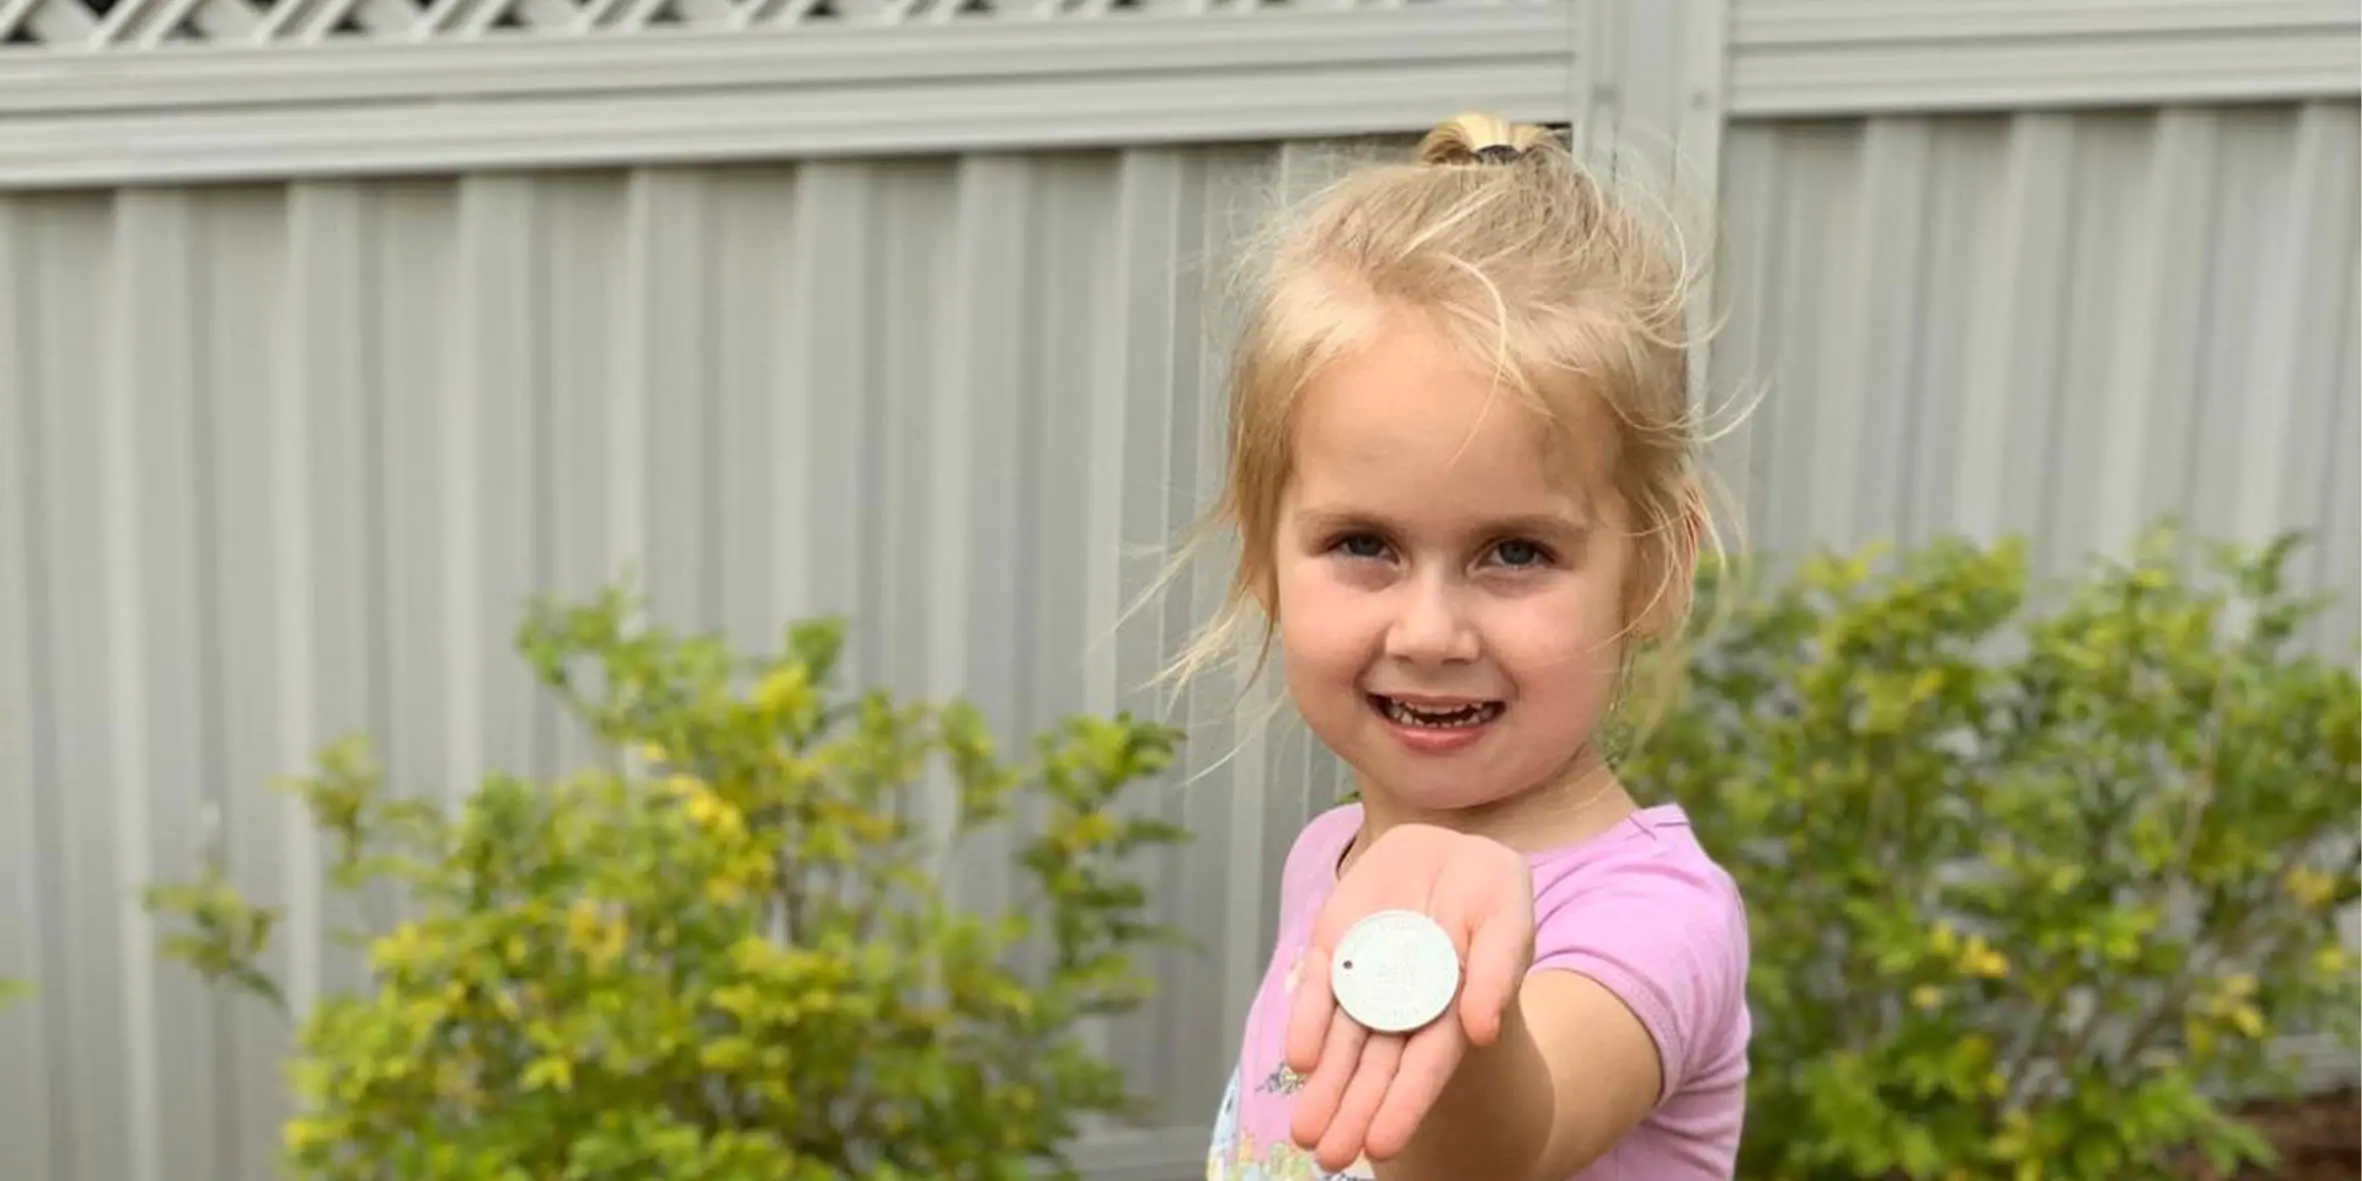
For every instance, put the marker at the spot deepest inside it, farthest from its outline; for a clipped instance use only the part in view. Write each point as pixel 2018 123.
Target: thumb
pixel 1496 966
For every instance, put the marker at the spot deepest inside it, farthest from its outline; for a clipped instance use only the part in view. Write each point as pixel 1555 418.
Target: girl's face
pixel 1450 601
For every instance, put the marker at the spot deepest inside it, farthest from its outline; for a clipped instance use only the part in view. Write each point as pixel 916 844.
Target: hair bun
pixel 1476 137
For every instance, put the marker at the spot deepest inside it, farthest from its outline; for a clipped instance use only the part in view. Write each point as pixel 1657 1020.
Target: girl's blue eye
pixel 1362 545
pixel 1519 553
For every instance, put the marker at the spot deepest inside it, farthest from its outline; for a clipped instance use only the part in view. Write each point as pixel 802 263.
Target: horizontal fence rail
pixel 380 87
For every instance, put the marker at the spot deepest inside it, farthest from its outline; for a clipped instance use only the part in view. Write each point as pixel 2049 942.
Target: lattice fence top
pixel 83 25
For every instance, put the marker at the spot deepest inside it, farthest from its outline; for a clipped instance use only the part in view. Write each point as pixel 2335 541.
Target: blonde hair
pixel 1498 234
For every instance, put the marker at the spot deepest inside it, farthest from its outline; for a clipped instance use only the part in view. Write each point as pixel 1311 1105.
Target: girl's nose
pixel 1432 627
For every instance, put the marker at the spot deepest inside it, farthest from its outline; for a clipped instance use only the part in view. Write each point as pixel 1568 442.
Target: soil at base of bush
pixel 2319 1138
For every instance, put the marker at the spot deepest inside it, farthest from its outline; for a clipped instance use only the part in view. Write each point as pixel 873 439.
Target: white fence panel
pixel 285 461
pixel 2064 325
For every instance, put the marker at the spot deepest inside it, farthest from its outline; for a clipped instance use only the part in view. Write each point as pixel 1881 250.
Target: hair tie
pixel 1498 153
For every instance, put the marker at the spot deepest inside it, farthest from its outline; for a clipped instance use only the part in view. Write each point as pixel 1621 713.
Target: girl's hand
pixel 1366 1092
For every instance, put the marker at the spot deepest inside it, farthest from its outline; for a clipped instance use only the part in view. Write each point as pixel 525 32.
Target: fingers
pixel 1369 1092
pixel 1343 1141
pixel 1324 1090
pixel 1428 1062
pixel 1312 1014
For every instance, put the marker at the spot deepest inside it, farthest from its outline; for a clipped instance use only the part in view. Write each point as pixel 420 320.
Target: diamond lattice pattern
pixel 80 25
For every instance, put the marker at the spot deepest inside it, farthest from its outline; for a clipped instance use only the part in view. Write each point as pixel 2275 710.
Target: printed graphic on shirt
pixel 1236 1156
pixel 1251 1141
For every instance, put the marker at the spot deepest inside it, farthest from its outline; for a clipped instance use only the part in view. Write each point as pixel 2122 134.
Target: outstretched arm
pixel 1552 1053
pixel 1572 1071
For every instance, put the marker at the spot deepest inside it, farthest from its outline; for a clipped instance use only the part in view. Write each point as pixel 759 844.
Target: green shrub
pixel 590 980
pixel 2031 876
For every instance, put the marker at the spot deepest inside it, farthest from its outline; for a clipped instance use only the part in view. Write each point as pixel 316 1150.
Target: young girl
pixel 1463 473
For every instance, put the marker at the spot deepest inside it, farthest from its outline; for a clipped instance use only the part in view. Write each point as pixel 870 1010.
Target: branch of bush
pixel 726 956
pixel 2037 871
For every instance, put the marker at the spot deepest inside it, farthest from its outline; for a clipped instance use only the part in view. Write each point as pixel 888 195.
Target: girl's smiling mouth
pixel 1434 714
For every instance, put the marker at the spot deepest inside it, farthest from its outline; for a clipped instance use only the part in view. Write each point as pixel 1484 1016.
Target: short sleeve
pixel 1310 870
pixel 1668 936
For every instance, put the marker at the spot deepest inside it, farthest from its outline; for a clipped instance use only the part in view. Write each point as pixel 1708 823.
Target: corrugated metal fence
pixel 280 460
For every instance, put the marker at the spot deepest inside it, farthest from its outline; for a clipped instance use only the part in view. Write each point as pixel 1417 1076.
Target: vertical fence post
pixel 1647 100
pixel 1594 68
pixel 1698 185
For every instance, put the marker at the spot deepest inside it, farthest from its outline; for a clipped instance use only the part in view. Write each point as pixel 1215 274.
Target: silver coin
pixel 1395 971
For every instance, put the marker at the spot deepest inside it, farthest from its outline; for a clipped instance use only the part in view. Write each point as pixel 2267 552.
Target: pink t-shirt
pixel 1641 908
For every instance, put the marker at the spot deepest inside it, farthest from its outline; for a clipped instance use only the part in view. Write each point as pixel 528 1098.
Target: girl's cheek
pixel 1320 579
pixel 1307 604
pixel 1553 631
pixel 1297 583
pixel 1327 614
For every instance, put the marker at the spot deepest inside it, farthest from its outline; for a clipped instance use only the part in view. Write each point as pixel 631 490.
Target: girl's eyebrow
pixel 1326 518
pixel 1538 524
